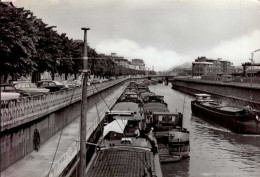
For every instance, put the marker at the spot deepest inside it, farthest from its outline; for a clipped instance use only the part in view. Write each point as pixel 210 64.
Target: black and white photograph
pixel 130 88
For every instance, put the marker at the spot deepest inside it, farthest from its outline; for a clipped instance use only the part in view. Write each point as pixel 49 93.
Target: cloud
pixel 238 50
pixel 159 59
pixel 54 1
pixel 162 32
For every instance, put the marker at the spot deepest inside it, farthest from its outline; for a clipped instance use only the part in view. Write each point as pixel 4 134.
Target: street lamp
pixel 252 61
pixel 83 117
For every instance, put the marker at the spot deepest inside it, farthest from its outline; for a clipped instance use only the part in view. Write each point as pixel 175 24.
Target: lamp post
pixel 252 61
pixel 83 117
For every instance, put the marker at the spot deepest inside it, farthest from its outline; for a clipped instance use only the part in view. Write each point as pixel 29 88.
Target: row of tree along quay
pixel 30 46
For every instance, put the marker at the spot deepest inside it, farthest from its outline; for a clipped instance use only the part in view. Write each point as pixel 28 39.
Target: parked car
pixel 12 89
pixel 73 83
pixel 95 81
pixel 9 96
pixel 112 78
pixel 30 88
pixel 53 86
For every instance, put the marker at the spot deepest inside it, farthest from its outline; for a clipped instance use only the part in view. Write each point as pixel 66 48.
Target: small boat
pixel 238 120
pixel 153 82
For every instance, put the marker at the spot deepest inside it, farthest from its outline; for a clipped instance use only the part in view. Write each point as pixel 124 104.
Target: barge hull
pixel 251 126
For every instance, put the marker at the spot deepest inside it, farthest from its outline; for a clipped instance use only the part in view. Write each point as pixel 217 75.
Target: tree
pixel 17 42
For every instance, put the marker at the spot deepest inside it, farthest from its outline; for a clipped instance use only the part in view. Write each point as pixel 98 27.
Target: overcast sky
pixel 162 32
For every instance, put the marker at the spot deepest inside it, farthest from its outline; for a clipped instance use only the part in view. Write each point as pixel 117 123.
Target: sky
pixel 164 33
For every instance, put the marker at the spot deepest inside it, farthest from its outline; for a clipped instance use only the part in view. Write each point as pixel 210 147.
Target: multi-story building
pixel 205 66
pixel 121 61
pixel 130 65
pixel 117 59
pixel 139 64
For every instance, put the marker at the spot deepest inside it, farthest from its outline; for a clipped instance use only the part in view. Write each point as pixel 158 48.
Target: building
pixel 204 66
pixel 138 64
pixel 121 61
pixel 130 65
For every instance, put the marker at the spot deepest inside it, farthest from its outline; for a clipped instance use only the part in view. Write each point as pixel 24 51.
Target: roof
pixel 128 106
pixel 128 118
pixel 5 84
pixel 165 113
pixel 202 62
pixel 156 107
pixel 123 113
pixel 56 82
pixel 120 163
pixel 130 93
pixel 202 94
pixel 147 94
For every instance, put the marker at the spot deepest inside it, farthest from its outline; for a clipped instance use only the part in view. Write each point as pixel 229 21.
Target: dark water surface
pixel 215 151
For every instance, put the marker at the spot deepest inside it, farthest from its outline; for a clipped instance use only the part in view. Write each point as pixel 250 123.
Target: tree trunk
pixel 52 76
pixel 36 76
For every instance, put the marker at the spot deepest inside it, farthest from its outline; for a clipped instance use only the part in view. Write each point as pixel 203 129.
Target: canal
pixel 215 151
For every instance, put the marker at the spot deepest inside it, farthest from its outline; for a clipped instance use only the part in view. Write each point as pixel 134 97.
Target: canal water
pixel 214 151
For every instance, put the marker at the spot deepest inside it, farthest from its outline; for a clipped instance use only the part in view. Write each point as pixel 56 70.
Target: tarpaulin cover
pixel 117 125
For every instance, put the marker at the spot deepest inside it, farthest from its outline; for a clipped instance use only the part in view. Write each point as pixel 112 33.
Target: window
pixel 45 84
pixel 9 88
pixel 172 118
pixel 160 118
pixel 163 119
pixel 32 85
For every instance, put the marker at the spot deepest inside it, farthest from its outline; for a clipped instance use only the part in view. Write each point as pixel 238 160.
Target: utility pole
pixel 252 56
pixel 252 63
pixel 83 116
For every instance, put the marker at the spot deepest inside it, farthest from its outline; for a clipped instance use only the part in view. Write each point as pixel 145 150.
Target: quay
pixel 234 93
pixel 39 163
pixel 56 117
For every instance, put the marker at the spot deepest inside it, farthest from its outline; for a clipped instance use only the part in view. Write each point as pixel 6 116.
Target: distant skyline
pixel 162 32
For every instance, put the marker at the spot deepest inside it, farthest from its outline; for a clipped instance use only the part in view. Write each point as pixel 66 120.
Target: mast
pixel 83 117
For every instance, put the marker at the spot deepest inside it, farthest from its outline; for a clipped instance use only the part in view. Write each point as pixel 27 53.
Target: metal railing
pixel 25 109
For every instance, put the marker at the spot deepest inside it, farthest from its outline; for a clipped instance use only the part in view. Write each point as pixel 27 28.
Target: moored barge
pixel 238 120
pixel 120 153
pixel 172 138
pixel 124 150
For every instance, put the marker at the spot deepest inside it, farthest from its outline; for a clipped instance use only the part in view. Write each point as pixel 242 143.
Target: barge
pixel 238 120
pixel 172 138
pixel 124 149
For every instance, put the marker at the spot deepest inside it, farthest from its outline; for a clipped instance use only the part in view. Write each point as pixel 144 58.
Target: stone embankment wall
pixel 234 94
pixel 17 129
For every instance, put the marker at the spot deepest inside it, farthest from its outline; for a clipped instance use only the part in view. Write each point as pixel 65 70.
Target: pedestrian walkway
pixel 39 164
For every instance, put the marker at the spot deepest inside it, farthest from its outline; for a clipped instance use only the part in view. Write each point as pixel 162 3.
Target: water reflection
pixel 215 151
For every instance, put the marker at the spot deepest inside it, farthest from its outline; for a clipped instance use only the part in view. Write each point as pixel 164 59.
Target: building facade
pixel 139 64
pixel 204 66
